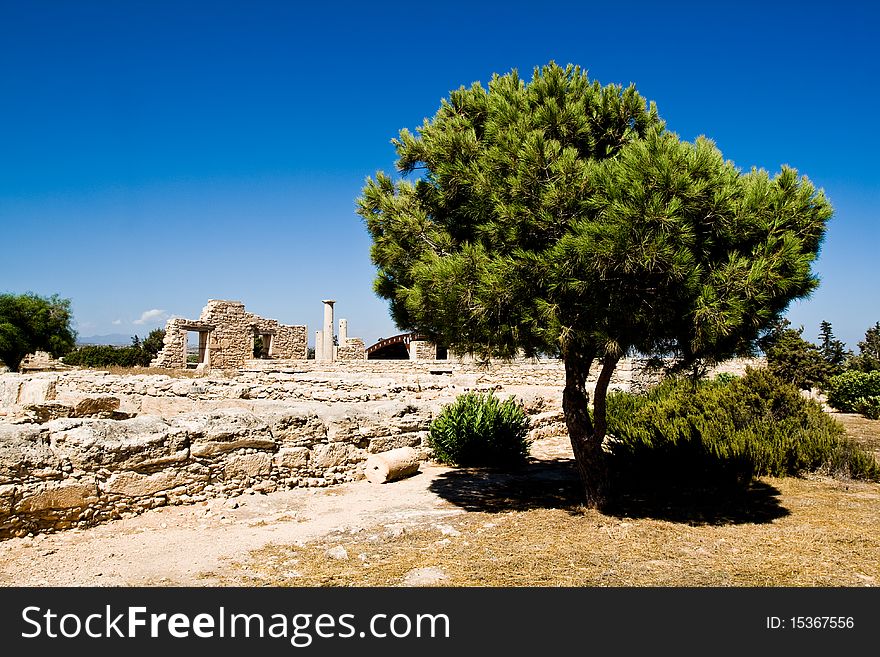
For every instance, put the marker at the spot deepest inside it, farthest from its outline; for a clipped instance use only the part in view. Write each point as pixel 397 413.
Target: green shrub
pixel 869 407
pixel 106 355
pixel 844 390
pixel 139 353
pixel 729 431
pixel 480 430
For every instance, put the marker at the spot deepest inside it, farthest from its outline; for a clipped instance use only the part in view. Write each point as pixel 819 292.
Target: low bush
pixel 107 355
pixel 729 431
pixel 139 354
pixel 845 390
pixel 869 407
pixel 480 430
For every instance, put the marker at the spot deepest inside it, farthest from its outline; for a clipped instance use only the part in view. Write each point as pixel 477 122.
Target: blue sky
pixel 157 154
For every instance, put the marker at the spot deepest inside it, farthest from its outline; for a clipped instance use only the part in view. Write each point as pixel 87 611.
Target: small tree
pixel 560 216
pixel 833 350
pixel 153 343
pixel 868 359
pixel 29 322
pixel 795 360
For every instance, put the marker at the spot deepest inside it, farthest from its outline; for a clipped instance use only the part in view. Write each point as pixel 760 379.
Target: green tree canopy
pixel 798 361
pixel 868 359
pixel 560 216
pixel 29 323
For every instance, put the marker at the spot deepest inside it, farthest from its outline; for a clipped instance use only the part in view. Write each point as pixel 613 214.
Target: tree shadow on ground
pixel 555 484
pixel 544 484
pixel 698 503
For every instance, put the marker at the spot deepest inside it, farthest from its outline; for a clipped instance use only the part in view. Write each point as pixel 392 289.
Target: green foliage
pixel 844 390
pixel 833 350
pixel 869 407
pixel 729 431
pixel 138 354
pixel 795 360
pixel 560 216
pixel 153 343
pixel 29 323
pixel 560 211
pixel 868 359
pixel 480 430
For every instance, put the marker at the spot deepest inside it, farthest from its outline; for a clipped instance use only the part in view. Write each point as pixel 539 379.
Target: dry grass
pixel 527 530
pixel 864 431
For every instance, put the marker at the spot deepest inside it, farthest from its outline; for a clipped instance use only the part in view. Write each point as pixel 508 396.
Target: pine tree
pixel 560 216
pixel 868 359
pixel 795 360
pixel 833 350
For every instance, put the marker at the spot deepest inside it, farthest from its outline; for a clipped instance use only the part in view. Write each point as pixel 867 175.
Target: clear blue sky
pixel 157 154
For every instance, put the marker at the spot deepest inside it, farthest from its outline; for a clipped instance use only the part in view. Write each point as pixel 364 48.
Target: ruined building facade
pixel 227 338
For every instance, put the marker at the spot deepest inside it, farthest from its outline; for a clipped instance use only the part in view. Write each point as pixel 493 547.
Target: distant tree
pixel 868 359
pixel 29 323
pixel 138 354
pixel 793 359
pixel 153 343
pixel 833 350
pixel 560 216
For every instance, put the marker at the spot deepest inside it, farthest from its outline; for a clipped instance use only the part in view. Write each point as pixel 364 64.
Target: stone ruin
pixel 227 335
pixel 347 349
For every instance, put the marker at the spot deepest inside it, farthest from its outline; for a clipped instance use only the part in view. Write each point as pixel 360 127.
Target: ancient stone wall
pixel 226 337
pixel 422 350
pixel 351 349
pixel 70 455
pixel 74 472
pixel 290 342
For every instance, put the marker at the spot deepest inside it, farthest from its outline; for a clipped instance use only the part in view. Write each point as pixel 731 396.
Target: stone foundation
pixel 67 458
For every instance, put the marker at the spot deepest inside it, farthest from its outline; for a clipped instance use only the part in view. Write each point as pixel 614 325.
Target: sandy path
pixel 183 545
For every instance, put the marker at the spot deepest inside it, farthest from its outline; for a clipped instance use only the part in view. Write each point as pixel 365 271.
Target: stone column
pixel 343 332
pixel 319 345
pixel 327 351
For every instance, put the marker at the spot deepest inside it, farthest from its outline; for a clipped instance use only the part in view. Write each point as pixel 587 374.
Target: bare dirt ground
pixel 478 528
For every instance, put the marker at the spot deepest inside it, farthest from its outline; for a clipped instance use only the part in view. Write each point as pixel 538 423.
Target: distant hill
pixel 115 339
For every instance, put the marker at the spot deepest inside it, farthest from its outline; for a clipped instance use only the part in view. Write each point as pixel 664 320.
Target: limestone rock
pixel 229 430
pixel 132 484
pixel 140 442
pixel 23 450
pixel 338 552
pixel 332 455
pixel 7 496
pixel 429 576
pixel 96 407
pixel 292 457
pixel 41 413
pixel 58 496
pixel 251 465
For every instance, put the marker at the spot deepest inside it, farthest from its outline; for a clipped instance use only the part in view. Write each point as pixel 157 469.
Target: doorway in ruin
pixel 197 351
pixel 263 344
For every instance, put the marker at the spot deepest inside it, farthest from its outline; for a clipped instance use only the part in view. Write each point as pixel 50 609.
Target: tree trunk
pixel 600 419
pixel 576 408
pixel 587 434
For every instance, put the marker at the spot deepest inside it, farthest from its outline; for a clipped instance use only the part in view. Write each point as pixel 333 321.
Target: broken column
pixel 327 350
pixel 319 345
pixel 343 332
pixel 391 465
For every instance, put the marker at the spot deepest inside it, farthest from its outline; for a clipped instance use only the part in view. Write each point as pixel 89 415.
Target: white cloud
pixel 116 322
pixel 148 315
